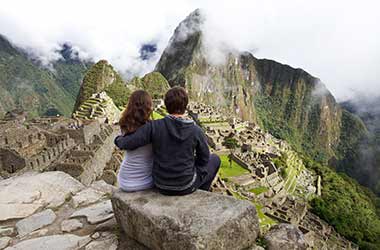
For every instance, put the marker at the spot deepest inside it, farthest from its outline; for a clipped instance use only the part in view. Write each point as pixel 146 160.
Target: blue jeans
pixel 203 183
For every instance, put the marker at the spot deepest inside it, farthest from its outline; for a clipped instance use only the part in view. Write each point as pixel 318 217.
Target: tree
pixel 231 143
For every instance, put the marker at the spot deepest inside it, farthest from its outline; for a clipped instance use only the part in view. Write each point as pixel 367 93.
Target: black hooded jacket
pixel 179 147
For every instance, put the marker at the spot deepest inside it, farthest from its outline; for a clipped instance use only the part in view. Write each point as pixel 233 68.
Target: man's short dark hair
pixel 176 100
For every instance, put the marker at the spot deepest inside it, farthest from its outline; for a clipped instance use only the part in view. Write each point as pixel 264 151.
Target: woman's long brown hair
pixel 137 112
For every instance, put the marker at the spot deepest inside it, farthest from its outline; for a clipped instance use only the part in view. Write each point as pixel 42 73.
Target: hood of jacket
pixel 178 127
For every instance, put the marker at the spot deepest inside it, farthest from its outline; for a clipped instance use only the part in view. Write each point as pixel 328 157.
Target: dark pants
pixel 202 182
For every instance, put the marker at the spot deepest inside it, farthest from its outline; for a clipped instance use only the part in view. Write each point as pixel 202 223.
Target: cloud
pixel 113 30
pixel 337 41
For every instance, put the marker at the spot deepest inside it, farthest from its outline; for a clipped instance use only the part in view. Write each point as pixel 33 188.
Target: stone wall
pixel 93 169
pixel 11 161
pixel 240 161
pixel 85 133
pixel 26 141
pixel 42 160
pixel 88 162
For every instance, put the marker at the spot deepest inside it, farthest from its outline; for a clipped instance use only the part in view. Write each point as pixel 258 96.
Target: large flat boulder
pixel 22 196
pixel 201 220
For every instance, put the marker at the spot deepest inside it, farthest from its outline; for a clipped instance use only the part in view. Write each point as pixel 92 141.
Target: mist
pixel 336 41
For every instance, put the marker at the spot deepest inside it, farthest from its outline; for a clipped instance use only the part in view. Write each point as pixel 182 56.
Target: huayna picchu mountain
pixel 25 84
pixel 288 102
pixel 102 76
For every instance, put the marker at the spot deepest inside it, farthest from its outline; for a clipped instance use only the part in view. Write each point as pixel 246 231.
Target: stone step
pixel 93 101
pixel 85 106
pixel 80 113
pixel 201 220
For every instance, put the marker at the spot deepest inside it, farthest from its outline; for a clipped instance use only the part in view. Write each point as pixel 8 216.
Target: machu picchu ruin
pixel 291 176
pixel 80 148
pixel 83 148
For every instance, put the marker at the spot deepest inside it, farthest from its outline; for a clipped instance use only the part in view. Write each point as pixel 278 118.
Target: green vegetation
pixel 156 116
pixel 280 162
pixel 231 143
pixel 258 190
pixel 119 93
pixel 352 209
pixel 93 81
pixel 226 171
pixel 26 84
pixel 102 77
pixel 238 196
pixel 70 73
pixel 304 137
pixel 154 83
pixel 265 221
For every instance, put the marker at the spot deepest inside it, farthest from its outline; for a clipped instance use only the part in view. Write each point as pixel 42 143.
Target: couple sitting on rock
pixel 170 154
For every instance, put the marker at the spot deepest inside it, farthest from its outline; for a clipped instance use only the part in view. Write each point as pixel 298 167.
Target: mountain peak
pixel 97 78
pixel 182 45
pixel 190 25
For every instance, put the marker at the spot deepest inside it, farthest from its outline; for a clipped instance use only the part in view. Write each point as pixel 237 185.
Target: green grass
pixel 238 196
pixel 156 115
pixel 258 190
pixel 240 128
pixel 227 171
pixel 264 220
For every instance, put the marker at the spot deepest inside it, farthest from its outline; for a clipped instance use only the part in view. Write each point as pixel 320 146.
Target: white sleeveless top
pixel 136 169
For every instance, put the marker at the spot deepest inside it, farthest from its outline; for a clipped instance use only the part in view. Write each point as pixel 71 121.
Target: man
pixel 182 160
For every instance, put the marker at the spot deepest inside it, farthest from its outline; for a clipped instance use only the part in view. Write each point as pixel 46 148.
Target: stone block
pixel 285 237
pixel 35 221
pixel 201 220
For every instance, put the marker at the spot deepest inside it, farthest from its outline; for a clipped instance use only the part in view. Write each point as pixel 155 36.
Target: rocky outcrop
pixel 60 213
pixel 285 237
pixel 202 220
pixel 21 196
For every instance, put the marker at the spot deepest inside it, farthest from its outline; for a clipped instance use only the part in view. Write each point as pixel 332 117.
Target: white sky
pixel 337 41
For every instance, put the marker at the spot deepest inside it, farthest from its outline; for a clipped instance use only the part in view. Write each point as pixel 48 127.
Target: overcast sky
pixel 337 41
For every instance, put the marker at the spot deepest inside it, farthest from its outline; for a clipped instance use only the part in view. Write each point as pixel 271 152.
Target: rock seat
pixel 201 220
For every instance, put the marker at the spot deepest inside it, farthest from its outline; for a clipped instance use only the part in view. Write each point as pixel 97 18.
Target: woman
pixel 136 169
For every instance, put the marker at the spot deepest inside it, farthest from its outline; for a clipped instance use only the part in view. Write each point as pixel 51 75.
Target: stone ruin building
pixel 284 199
pixel 205 113
pixel 82 148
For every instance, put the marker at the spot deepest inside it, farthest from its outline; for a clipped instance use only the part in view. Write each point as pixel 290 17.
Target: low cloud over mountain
pixel 336 41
